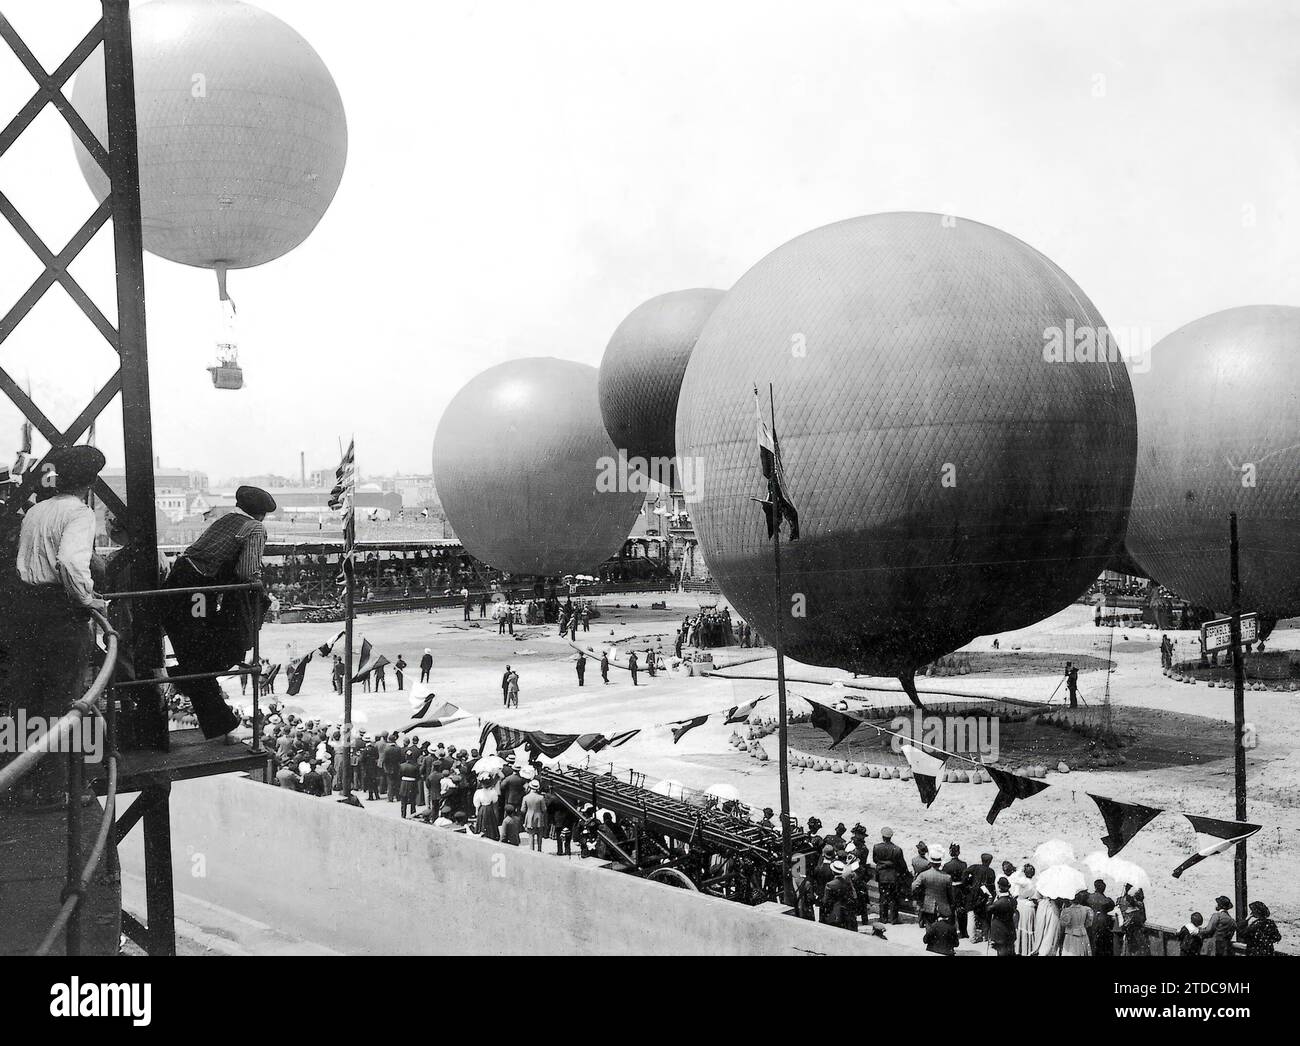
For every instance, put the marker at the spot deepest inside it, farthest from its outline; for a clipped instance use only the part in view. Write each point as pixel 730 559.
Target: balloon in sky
pixel 956 427
pixel 1219 432
pixel 641 371
pixel 526 473
pixel 242 136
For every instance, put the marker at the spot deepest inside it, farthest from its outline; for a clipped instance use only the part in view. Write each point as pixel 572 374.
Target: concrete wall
pixel 363 884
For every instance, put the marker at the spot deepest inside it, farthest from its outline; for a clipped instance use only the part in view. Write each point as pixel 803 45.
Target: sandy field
pixel 469 659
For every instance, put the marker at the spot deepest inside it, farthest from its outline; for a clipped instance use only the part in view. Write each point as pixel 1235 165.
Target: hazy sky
pixel 521 175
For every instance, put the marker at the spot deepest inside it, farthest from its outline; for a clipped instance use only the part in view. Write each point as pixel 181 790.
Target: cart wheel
pixel 672 877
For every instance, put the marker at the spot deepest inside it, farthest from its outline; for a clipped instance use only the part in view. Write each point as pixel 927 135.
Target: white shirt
pixel 55 545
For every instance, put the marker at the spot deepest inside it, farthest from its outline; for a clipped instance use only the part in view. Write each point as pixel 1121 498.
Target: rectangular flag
pixel 1219 835
pixel 599 742
pixel 341 499
pixel 298 672
pixel 927 771
pixel 777 508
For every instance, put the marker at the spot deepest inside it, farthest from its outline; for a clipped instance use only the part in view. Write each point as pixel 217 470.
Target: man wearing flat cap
pixel 213 631
pixel 50 625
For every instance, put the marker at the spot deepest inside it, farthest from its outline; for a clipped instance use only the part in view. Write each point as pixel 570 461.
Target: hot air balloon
pixel 641 374
pixel 1219 432
pixel 241 135
pixel 956 470
pixel 526 472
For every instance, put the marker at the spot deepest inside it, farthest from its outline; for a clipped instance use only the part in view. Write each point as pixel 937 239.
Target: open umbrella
pixel 672 789
pixel 1060 881
pixel 724 793
pixel 489 764
pixel 1052 853
pixel 1116 871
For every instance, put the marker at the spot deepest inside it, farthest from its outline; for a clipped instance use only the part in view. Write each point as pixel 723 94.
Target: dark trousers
pixel 466 611
pixel 888 901
pixel 581 676
pixel 393 781
pixel 47 668
pixel 212 641
pixel 424 675
pixel 959 917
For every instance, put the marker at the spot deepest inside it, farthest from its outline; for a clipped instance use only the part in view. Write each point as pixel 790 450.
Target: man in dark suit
pixel 391 763
pixel 955 869
pixel 890 868
pixel 505 686
pixel 941 937
pixel 980 885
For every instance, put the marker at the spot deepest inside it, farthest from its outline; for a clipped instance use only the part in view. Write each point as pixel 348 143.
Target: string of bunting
pixel 554 745
pixel 1123 819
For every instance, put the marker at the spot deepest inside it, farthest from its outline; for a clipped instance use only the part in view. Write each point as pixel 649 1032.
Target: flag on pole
pixel 1123 821
pixel 777 508
pixel 927 772
pixel 341 499
pixel 298 672
pixel 1219 836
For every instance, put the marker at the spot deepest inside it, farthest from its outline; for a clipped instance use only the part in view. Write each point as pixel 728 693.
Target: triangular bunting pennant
pixel 836 723
pixel 741 713
pixel 1220 836
pixel 684 726
pixel 363 665
pixel 927 772
pixel 1123 821
pixel 1010 788
pixel 444 714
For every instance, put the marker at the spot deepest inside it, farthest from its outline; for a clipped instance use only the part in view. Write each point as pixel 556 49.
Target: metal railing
pixel 68 921
pixel 79 874
pixel 255 671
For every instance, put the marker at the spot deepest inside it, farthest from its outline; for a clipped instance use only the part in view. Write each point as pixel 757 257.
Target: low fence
pixel 338 876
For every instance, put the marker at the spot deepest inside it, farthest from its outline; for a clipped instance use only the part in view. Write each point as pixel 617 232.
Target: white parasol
pixel 1060 881
pixel 1052 853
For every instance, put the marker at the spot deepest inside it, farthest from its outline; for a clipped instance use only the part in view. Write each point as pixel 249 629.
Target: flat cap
pixel 254 500
pixel 71 467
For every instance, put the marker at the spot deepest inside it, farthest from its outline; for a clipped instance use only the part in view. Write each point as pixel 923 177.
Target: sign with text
pixel 1217 634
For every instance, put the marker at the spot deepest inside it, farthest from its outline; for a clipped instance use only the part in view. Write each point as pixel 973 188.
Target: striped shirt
pixel 55 544
pixel 235 538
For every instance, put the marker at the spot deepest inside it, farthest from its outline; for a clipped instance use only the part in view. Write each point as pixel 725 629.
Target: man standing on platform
pixel 211 631
pixel 50 625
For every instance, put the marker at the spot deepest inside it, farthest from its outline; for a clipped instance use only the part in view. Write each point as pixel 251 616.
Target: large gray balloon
pixel 1219 432
pixel 242 135
pixel 950 480
pixel 641 371
pixel 517 462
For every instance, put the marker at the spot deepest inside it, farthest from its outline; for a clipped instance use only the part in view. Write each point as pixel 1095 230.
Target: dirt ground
pixel 1177 751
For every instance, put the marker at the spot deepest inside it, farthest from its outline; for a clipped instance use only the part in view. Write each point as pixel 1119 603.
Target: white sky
pixel 521 175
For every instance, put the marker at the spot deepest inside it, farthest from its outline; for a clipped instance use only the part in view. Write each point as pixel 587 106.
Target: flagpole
pixel 349 539
pixel 787 880
pixel 1238 713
